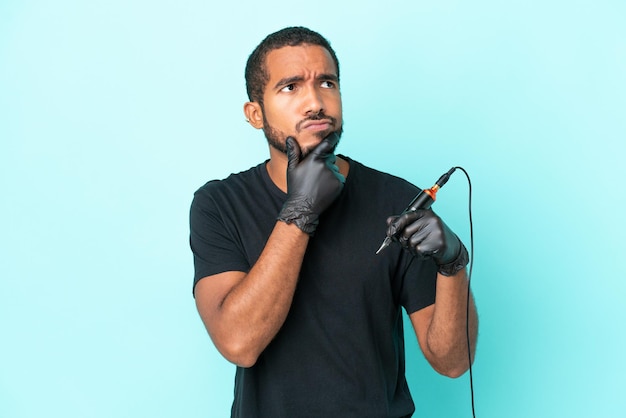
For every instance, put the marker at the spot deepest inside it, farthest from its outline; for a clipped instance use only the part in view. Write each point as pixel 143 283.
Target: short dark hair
pixel 257 75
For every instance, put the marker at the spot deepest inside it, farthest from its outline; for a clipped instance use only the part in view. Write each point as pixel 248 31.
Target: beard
pixel 276 138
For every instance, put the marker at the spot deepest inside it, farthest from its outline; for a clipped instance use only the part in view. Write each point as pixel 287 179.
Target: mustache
pixel 316 116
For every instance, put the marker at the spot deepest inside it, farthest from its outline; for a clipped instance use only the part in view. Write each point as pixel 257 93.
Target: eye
pixel 288 88
pixel 328 84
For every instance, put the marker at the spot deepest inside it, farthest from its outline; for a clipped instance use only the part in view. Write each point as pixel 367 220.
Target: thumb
pixel 391 220
pixel 293 152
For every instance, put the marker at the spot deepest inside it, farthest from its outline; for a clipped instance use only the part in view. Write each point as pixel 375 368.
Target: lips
pixel 316 125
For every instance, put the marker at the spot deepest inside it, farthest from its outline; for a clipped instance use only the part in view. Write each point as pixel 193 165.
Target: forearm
pixel 447 342
pixel 251 314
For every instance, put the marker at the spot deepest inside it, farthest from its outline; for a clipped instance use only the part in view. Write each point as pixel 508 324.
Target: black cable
pixel 443 180
pixel 469 282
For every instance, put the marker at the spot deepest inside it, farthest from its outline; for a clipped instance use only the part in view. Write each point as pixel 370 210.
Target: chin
pixel 308 145
pixel 307 142
pixel 311 141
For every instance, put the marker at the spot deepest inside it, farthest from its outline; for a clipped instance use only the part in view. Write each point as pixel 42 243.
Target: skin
pixel 243 312
pixel 303 83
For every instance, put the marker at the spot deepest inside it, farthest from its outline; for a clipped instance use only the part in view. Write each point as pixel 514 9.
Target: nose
pixel 313 101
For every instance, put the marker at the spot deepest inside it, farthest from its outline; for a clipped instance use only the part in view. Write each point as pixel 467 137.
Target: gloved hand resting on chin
pixel 313 183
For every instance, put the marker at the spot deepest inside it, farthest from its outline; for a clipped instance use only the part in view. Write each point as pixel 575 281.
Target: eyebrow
pixel 295 79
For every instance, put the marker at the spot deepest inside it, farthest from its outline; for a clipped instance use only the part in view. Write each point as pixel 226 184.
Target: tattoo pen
pixel 423 200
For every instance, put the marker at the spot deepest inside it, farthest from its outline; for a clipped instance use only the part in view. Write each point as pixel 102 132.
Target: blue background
pixel 112 113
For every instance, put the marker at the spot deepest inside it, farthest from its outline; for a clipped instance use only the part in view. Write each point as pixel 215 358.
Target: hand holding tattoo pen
pixel 423 200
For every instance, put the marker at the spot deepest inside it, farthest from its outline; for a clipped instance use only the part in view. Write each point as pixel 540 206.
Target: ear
pixel 254 114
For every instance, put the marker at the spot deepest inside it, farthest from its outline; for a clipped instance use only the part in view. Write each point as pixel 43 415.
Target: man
pixel 287 281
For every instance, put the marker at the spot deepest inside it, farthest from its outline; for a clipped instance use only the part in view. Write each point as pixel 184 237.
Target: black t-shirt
pixel 340 352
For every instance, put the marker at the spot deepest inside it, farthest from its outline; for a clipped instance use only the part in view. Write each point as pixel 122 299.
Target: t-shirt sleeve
pixel 419 283
pixel 213 241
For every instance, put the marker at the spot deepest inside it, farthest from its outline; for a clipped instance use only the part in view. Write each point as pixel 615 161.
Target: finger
pixel 391 219
pixel 400 222
pixel 333 140
pixel 327 146
pixel 426 242
pixel 332 167
pixel 418 220
pixel 340 177
pixel 425 235
pixel 330 160
pixel 293 151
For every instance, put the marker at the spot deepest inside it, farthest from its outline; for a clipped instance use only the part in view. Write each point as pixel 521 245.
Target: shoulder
pixel 234 184
pixel 373 178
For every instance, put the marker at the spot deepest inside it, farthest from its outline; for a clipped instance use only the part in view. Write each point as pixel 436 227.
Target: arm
pixel 244 312
pixel 441 328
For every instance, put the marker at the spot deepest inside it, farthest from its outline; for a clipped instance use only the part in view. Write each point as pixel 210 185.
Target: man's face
pixel 301 98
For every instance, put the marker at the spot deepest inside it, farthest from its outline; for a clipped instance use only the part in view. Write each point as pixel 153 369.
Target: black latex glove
pixel 313 183
pixel 423 233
